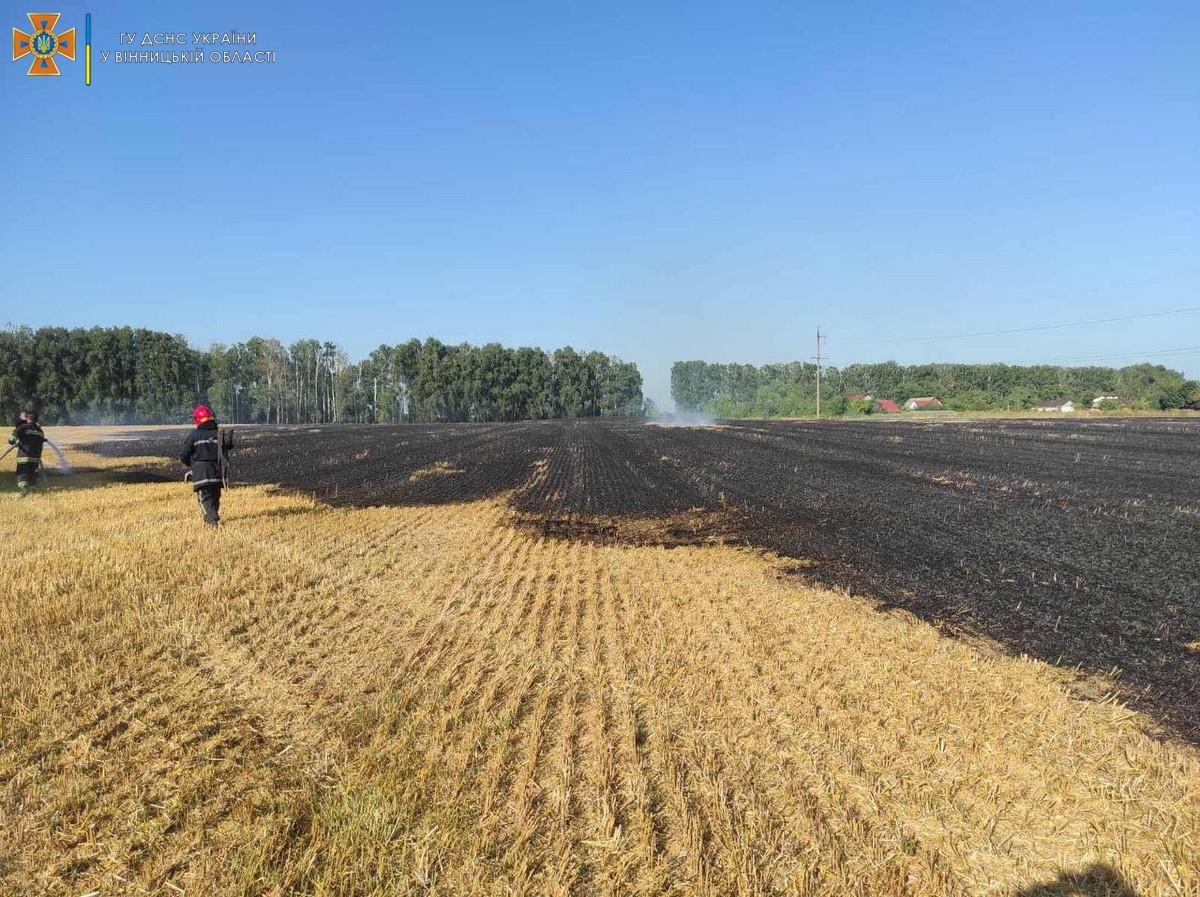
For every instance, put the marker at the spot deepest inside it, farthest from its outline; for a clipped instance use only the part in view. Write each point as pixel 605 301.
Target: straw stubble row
pixel 433 701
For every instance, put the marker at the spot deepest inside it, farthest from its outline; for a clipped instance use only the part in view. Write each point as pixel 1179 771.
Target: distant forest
pixel 128 375
pixel 790 390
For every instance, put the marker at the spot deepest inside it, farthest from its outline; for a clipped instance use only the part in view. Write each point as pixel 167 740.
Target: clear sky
pixel 656 180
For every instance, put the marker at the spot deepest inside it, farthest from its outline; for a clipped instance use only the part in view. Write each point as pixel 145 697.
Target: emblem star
pixel 44 43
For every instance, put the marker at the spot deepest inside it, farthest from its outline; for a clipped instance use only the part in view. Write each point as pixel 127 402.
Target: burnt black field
pixel 1073 541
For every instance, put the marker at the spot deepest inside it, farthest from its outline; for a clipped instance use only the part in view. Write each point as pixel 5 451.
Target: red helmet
pixel 201 414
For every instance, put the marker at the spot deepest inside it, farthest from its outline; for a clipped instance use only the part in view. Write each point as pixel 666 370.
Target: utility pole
pixel 818 357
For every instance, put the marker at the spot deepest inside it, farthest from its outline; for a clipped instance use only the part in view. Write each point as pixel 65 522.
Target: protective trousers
pixel 210 502
pixel 27 475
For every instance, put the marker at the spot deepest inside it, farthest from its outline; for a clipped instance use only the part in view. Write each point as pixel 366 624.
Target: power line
pixel 1152 314
pixel 1126 283
pixel 1150 353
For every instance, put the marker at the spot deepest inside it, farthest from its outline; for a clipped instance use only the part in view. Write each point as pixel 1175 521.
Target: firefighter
pixel 203 456
pixel 28 439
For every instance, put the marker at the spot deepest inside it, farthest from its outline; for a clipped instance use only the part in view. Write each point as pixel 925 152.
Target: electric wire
pixel 1123 318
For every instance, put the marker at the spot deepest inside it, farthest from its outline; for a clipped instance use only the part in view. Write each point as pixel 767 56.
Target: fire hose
pixel 62 458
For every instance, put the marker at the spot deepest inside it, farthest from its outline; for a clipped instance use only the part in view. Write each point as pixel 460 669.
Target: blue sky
pixel 661 181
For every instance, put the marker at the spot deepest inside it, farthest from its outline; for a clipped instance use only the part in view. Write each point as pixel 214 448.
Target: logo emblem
pixel 45 43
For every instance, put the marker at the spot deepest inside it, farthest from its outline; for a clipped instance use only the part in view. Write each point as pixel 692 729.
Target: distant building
pixel 887 406
pixel 854 396
pixel 924 403
pixel 1064 406
pixel 1100 400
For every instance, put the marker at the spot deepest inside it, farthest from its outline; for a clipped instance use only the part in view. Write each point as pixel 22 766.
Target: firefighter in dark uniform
pixel 202 453
pixel 29 439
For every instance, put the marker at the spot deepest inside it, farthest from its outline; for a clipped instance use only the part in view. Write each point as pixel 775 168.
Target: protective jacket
pixel 29 439
pixel 202 454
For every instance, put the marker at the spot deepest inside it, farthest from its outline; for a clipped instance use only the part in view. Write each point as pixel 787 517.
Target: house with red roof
pixel 887 406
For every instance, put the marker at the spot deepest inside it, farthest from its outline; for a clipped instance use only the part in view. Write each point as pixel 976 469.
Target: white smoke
pixel 692 419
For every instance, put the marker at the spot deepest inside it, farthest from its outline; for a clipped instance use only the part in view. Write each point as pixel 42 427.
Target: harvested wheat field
pixel 432 699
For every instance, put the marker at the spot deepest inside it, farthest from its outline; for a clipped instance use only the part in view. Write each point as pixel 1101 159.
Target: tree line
pixel 133 375
pixel 790 390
